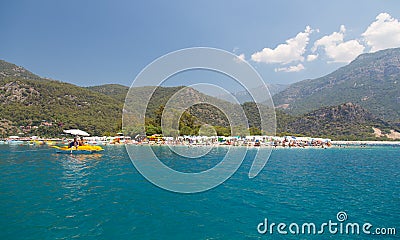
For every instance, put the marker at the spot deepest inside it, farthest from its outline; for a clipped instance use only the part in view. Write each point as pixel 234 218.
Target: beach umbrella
pixel 77 132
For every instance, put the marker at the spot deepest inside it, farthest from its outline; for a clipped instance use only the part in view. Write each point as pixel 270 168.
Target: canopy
pixel 77 132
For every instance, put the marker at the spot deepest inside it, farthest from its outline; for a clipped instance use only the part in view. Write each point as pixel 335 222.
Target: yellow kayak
pixel 79 149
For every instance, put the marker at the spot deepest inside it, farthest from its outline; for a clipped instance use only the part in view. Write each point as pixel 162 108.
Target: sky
pixel 97 42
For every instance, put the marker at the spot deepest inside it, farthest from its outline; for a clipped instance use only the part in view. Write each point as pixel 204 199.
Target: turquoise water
pixel 102 196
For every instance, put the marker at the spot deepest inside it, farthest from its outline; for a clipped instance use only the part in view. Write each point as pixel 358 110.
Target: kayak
pixel 78 150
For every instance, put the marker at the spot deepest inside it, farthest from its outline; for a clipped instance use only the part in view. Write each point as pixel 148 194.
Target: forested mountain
pixel 32 105
pixel 344 122
pixel 45 107
pixel 11 70
pixel 116 91
pixel 372 81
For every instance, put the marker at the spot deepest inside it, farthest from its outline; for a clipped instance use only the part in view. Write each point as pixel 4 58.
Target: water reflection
pixel 76 172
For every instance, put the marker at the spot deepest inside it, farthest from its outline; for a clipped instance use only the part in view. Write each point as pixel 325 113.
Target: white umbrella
pixel 77 132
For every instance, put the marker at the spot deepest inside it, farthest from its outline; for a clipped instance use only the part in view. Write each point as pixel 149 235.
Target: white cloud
pixel 312 57
pixel 337 49
pixel 295 68
pixel 383 33
pixel 291 51
pixel 241 57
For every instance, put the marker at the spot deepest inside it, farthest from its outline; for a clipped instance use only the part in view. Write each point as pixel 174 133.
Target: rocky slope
pixel 372 81
pixel 345 122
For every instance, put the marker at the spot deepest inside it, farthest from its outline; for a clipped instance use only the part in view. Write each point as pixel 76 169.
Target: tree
pixel 223 131
pixel 185 130
pixel 254 131
pixel 151 130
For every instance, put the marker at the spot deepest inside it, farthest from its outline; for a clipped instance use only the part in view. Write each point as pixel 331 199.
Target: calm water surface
pixel 44 195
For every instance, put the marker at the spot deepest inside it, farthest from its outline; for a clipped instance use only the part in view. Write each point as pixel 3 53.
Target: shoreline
pixel 369 143
pixel 333 144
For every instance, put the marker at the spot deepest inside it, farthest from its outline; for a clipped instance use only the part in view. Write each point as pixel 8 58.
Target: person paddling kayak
pixel 73 144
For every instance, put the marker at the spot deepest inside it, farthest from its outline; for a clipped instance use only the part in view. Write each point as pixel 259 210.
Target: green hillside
pixel 372 81
pixel 344 122
pixel 31 104
pixel 35 106
pixel 11 70
pixel 116 91
pixel 194 117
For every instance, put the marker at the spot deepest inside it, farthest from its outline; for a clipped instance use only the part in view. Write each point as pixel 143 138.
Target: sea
pixel 45 195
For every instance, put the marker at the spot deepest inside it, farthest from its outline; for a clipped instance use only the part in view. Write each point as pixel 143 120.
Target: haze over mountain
pixel 372 81
pixel 119 92
pixel 244 96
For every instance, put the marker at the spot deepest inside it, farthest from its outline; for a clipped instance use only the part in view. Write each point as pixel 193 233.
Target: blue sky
pixel 97 42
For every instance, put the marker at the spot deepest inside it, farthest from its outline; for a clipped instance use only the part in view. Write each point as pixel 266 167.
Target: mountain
pixel 38 106
pixel 244 96
pixel 44 107
pixel 204 112
pixel 11 70
pixel 252 109
pixel 343 122
pixel 372 81
pixel 119 92
pixel 275 88
pixel 116 91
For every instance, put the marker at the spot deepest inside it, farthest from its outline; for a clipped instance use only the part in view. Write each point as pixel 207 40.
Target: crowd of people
pixel 253 141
